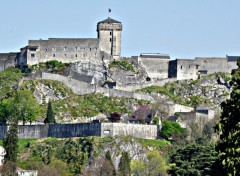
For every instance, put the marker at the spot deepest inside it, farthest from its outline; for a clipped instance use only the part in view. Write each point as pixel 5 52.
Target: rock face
pixel 135 150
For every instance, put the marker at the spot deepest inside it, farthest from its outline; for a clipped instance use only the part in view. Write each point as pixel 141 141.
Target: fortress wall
pixel 82 88
pixel 64 50
pixel 156 67
pixel 84 130
pixel 7 60
pixel 186 69
pixel 136 130
pixel 215 64
pixel 74 130
pixel 33 131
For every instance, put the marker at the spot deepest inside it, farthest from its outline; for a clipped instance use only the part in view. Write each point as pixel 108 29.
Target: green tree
pixel 124 164
pixel 193 159
pixel 10 143
pixel 155 165
pixel 138 168
pixel 50 114
pixel 172 130
pixel 22 106
pixel 229 129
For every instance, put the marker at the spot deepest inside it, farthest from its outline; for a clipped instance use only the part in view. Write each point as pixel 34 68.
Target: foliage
pixel 10 143
pixel 125 65
pixel 115 117
pixel 160 144
pixel 193 159
pixel 8 169
pixel 154 165
pixel 8 79
pixel 164 90
pixel 109 159
pixel 50 114
pixel 229 129
pixel 23 106
pixel 172 130
pixel 99 166
pixel 124 165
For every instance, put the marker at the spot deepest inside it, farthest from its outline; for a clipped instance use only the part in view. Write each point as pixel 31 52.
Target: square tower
pixel 109 34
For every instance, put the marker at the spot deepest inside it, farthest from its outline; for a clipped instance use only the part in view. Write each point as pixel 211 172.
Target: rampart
pixel 84 130
pixel 82 88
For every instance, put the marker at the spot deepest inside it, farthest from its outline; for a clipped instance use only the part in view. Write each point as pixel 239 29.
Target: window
pixel 110 33
pixel 90 49
pixel 189 66
pixel 76 48
pixel 64 48
pixel 46 50
pixel 65 55
pixel 110 39
pixel 54 55
pixel 75 55
pixel 181 67
pixel 32 55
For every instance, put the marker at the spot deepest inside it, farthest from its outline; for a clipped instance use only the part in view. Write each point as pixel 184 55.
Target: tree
pixel 172 130
pixel 22 106
pixel 138 168
pixel 124 164
pixel 155 165
pixel 229 129
pixel 50 114
pixel 10 143
pixel 115 117
pixel 109 159
pixel 193 159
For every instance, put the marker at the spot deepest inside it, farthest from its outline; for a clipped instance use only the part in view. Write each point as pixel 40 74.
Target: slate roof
pixel 109 20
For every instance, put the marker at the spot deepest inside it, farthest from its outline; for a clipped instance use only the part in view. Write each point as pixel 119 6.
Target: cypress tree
pixel 50 114
pixel 229 129
pixel 10 143
pixel 124 164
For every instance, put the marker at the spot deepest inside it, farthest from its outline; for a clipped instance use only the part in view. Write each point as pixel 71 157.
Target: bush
pixel 172 130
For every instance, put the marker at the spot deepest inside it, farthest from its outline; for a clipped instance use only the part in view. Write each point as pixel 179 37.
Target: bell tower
pixel 109 34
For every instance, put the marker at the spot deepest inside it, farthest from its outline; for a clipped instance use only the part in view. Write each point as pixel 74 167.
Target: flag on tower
pixel 109 10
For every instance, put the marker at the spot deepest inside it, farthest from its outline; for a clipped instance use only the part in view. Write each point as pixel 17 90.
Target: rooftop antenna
pixel 109 11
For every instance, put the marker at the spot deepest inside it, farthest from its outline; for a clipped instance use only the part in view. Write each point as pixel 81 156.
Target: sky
pixel 180 28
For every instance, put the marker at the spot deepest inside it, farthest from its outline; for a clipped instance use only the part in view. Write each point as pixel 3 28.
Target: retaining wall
pixel 84 130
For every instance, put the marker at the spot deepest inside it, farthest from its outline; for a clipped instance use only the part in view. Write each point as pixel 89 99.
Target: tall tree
pixel 10 143
pixel 50 114
pixel 229 129
pixel 124 164
pixel 109 159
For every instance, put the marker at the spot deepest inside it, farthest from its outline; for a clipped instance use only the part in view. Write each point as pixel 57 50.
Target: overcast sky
pixel 180 28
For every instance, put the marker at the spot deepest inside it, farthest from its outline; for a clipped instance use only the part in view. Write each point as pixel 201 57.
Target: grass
pixel 22 143
pixel 154 143
pixel 125 65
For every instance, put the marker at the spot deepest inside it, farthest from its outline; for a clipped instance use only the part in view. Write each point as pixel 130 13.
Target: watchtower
pixel 109 33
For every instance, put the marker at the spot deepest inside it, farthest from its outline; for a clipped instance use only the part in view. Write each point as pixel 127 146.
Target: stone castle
pixel 107 46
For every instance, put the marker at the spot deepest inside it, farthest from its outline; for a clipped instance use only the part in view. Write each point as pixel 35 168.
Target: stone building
pixel 66 50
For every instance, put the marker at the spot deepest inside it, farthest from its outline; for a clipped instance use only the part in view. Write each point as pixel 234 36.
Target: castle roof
pixel 109 20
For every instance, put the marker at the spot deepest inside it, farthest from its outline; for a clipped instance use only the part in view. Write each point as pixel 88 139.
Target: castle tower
pixel 109 33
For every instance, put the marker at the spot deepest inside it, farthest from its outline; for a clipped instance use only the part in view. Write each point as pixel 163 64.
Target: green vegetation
pixel 53 66
pixel 159 144
pixel 125 65
pixel 167 90
pixel 172 130
pixel 155 165
pixel 50 114
pixel 229 130
pixel 124 165
pixel 9 79
pixel 193 159
pixel 23 107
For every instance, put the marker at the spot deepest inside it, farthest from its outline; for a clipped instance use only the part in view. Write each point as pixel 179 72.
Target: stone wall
pixel 84 130
pixel 82 88
pixel 7 60
pixel 136 130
